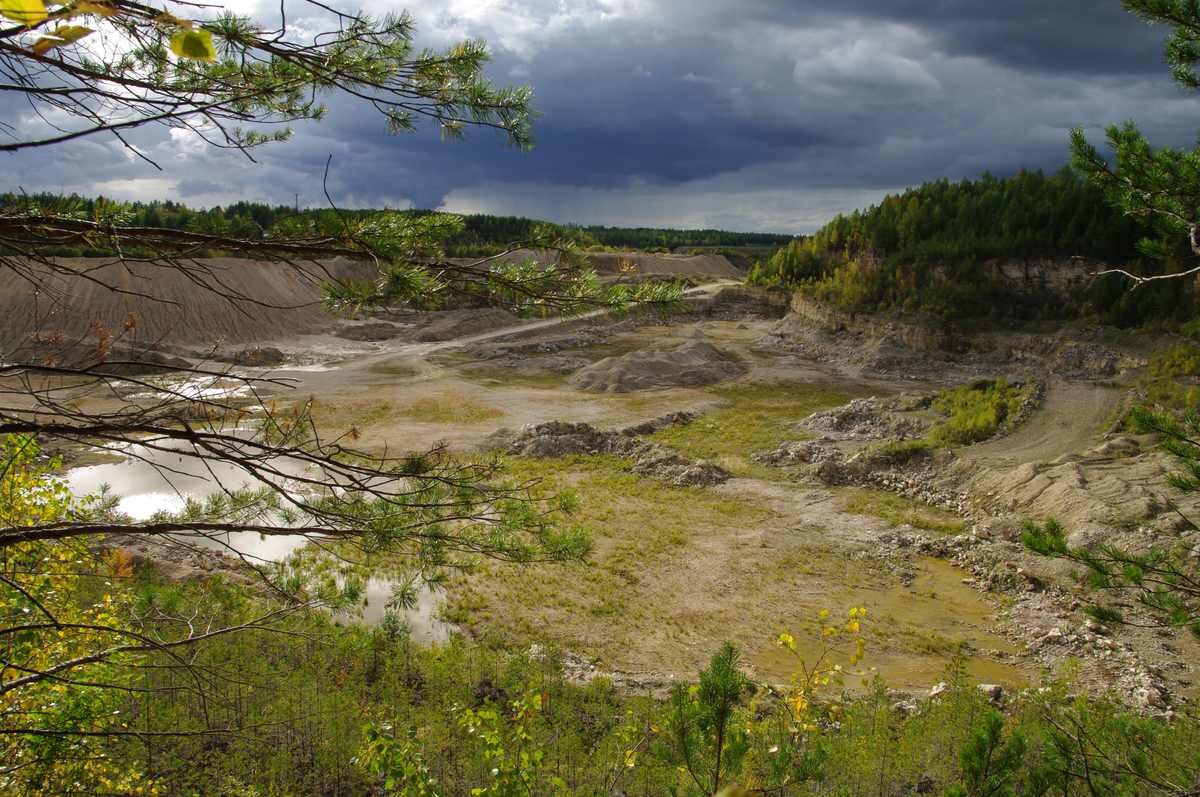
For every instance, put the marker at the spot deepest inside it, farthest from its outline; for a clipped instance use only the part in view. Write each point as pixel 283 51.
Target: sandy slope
pixel 224 300
pixel 214 299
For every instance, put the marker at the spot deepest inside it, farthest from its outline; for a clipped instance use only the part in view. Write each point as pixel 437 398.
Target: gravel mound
pixel 800 452
pixel 259 357
pixel 862 419
pixel 693 364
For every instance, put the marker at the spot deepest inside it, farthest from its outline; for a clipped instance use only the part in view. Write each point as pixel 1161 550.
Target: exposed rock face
pixel 558 439
pixel 1061 277
pixel 693 364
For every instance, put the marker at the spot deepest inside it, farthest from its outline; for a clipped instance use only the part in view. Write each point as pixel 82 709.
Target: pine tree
pixel 1161 186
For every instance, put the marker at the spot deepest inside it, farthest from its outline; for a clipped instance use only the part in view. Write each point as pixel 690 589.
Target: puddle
pixel 422 620
pixel 196 388
pixel 912 633
pixel 314 368
pixel 149 481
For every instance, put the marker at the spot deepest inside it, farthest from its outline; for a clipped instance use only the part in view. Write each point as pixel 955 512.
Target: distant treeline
pixel 482 234
pixel 927 251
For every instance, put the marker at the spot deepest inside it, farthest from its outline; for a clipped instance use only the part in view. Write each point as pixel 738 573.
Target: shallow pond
pixel 150 481
pixel 912 633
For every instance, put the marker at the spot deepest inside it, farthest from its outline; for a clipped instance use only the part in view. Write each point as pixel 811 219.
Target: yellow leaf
pixel 27 12
pixel 64 34
pixel 196 45
pixel 90 7
pixel 170 20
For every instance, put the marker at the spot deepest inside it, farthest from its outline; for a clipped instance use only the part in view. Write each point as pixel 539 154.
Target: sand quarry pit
pixel 681 564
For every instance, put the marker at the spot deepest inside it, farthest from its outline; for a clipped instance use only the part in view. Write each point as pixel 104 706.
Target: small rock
pixel 994 692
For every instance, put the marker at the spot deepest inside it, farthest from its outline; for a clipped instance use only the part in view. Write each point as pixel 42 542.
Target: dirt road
pixel 1072 418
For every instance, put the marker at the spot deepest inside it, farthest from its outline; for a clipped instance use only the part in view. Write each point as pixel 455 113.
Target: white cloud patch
pixel 871 61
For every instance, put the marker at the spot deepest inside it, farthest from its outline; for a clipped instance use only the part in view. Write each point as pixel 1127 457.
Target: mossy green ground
pixel 899 510
pixel 675 571
pixel 755 418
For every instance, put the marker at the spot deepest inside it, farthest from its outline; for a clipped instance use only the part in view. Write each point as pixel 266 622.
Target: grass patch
pixel 506 377
pixel 451 357
pixel 351 414
pixel 976 412
pixel 898 452
pixel 1179 360
pixel 449 409
pixel 641 530
pixel 393 368
pixel 898 510
pixel 674 571
pixel 757 418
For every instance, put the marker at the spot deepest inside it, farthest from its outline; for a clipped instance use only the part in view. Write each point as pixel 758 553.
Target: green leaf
pixel 27 12
pixel 196 45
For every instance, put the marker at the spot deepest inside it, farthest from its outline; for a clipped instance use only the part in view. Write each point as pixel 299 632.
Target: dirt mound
pixel 1092 361
pixel 559 439
pixel 693 364
pixel 259 357
pixel 452 324
pixel 205 302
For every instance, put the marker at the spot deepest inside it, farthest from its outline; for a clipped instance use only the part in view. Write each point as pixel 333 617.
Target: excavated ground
pixel 702 534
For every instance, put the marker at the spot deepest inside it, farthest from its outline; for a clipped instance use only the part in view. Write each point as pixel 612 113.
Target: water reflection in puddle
pixel 149 481
pixel 422 620
pixel 312 368
pixel 196 388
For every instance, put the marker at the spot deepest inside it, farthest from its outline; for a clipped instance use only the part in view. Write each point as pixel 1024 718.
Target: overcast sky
pixel 740 114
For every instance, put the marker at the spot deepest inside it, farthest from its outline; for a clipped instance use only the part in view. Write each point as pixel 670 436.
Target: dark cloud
pixel 748 113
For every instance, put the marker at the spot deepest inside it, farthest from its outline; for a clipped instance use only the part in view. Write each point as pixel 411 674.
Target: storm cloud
pixel 743 114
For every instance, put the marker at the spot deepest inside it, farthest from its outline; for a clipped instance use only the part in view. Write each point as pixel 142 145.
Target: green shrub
pixel 1177 361
pixel 1166 382
pixel 975 412
pixel 898 452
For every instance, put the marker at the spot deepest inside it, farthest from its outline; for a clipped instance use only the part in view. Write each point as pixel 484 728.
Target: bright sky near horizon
pixel 738 114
